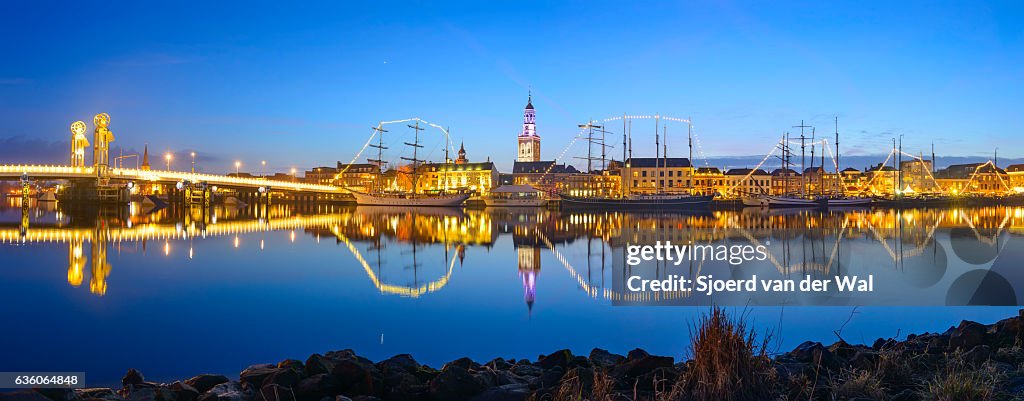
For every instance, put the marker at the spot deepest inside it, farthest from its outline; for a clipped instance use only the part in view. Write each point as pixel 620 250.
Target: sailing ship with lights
pixel 659 199
pixel 379 197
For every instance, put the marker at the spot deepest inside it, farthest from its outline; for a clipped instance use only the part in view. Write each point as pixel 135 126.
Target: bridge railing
pixel 163 175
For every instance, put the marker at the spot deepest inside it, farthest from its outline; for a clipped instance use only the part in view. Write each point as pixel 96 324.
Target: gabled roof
pixel 1015 168
pixel 787 171
pixel 542 167
pixel 745 171
pixel 650 162
pixel 708 170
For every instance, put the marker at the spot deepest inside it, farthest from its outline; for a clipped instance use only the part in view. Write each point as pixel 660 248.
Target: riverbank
pixel 727 361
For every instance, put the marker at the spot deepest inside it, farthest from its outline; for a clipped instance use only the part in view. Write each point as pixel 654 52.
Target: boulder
pixel 603 358
pixel 317 364
pixel 509 392
pixel 132 377
pixel 276 392
pixel 230 391
pixel 318 386
pixel 184 391
pixel 203 383
pixel 98 394
pixel 967 335
pixel 558 358
pixel 454 383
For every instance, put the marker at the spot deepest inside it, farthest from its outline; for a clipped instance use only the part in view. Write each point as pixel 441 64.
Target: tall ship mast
pixel 409 197
pixel 659 199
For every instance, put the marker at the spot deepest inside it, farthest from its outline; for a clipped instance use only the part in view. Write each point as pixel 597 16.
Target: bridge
pixel 115 183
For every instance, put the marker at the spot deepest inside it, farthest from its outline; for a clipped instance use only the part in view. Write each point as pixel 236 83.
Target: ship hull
pixel 848 202
pixel 673 202
pixel 424 200
pixel 515 202
pixel 779 202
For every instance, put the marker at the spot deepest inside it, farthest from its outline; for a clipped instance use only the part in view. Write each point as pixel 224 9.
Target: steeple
pixel 462 154
pixel 529 141
pixel 145 158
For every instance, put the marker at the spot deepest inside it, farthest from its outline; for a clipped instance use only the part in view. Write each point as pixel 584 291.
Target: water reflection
pixel 414 252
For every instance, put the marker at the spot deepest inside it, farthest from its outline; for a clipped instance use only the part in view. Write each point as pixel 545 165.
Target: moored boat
pixel 515 196
pixel 669 201
pixel 404 199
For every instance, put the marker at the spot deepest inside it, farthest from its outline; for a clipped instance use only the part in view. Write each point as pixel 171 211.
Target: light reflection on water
pixel 176 293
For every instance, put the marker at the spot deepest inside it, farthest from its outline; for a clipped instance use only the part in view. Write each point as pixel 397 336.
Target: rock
pixel 133 377
pixel 454 383
pixel 184 391
pixel 526 369
pixel 813 353
pixel 967 335
pixel 356 376
pixel 401 362
pixel 318 386
pixel 641 364
pixel 317 364
pixel 152 394
pixel 602 358
pixel 230 391
pixel 98 394
pixel 550 377
pixel 253 376
pixel 276 392
pixel 203 383
pixel 978 355
pixel 58 394
pixel 558 358
pixel 498 364
pixel 636 353
pixel 508 392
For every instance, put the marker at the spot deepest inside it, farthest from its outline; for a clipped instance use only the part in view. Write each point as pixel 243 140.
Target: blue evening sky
pixel 299 85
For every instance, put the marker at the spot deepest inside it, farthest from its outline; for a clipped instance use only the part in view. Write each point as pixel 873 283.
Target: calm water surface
pixel 175 293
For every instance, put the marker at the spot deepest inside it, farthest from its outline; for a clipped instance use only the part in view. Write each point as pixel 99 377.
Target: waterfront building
pixel 475 178
pixel 320 175
pixel 145 159
pixel 542 175
pixel 881 179
pixel 974 179
pixel 362 177
pixel 820 181
pixel 852 181
pixel 529 141
pixel 601 184
pixel 641 175
pixel 743 181
pixel 1015 173
pixel 786 181
pixel 916 176
pixel 708 180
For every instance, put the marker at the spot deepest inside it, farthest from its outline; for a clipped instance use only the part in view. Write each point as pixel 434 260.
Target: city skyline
pixel 301 87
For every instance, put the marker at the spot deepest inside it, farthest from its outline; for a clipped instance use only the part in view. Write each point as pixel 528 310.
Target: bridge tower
pixel 102 137
pixel 78 144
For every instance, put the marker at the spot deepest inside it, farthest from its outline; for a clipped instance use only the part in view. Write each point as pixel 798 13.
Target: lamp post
pixel 193 162
pixel 263 167
pixel 294 178
pixel 168 157
pixel 237 165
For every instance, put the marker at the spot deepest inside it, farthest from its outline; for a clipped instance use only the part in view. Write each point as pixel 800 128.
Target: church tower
pixel 529 141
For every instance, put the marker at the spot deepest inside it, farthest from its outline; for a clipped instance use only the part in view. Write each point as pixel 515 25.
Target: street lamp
pixel 293 174
pixel 237 165
pixel 193 162
pixel 263 166
pixel 168 157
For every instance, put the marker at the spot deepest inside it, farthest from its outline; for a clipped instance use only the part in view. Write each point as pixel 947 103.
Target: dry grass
pixel 961 382
pixel 729 363
pixel 851 384
pixel 575 388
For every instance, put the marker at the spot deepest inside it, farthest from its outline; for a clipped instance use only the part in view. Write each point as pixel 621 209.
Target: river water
pixel 175 293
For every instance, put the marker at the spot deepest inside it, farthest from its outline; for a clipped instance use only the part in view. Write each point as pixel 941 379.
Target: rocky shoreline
pixel 971 361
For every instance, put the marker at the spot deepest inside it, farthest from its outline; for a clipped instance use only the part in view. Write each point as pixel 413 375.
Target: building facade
pixel 642 175
pixel 745 181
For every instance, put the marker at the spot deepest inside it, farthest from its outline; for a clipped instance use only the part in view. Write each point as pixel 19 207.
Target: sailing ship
pixel 838 199
pixel 787 199
pixel 403 198
pixel 659 199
